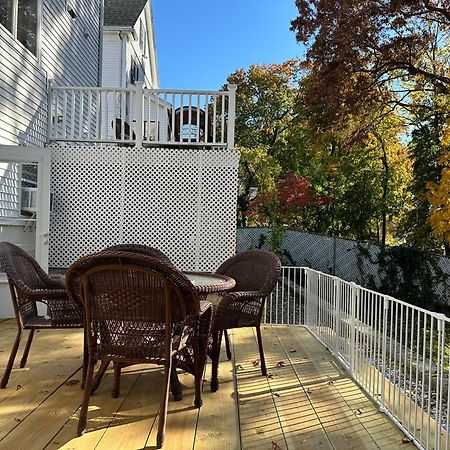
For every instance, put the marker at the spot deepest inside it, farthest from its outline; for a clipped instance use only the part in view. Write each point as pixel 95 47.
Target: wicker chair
pixel 138 310
pixel 256 273
pixel 143 250
pixel 29 284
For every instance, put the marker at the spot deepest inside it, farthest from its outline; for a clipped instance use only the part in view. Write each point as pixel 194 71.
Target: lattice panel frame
pixel 181 201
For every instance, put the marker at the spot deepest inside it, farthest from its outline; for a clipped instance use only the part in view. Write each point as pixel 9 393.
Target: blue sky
pixel 200 42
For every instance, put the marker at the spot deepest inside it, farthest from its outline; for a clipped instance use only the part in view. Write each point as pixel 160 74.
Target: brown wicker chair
pixel 138 310
pixel 256 273
pixel 143 250
pixel 29 284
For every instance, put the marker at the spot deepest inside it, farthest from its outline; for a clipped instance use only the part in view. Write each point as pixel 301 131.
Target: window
pixel 134 72
pixel 20 18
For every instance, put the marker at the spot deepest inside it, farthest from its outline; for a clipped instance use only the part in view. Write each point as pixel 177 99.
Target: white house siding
pixel 70 47
pixel 22 95
pixel 69 55
pixel 112 75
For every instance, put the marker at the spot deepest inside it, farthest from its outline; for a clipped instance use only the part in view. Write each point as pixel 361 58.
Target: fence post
pixel 307 299
pixel 440 377
pixel 386 305
pixel 50 95
pixel 231 115
pixel 139 93
pixel 353 348
pixel 337 315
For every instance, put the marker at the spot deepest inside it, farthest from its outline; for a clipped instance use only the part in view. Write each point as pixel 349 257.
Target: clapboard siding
pixel 69 56
pixel 71 46
pixel 23 93
pixel 112 75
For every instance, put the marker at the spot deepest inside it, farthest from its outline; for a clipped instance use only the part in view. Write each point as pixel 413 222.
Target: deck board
pixel 307 402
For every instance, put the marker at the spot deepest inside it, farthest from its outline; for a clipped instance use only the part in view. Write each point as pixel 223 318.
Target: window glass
pixel 6 9
pixel 27 24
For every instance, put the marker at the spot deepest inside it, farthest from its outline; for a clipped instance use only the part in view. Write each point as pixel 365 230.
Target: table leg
pixel 175 385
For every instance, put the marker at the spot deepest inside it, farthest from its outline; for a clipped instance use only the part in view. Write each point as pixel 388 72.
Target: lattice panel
pixel 180 201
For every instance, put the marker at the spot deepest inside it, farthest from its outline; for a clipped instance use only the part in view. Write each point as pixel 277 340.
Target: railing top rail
pixel 187 91
pixel 133 89
pixel 437 315
pixel 92 88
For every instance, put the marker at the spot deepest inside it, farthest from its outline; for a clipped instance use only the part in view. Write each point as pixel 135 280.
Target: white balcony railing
pixel 138 116
pixel 397 352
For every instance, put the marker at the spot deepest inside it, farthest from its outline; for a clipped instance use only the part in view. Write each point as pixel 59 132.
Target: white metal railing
pixel 397 352
pixel 138 116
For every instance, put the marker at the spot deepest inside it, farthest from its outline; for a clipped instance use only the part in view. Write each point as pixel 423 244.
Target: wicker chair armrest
pixel 47 294
pixel 237 308
pixel 240 296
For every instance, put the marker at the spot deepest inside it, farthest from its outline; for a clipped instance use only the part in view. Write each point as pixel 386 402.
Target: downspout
pixel 123 42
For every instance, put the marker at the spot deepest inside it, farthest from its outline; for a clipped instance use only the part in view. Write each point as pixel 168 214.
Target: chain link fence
pixel 406 273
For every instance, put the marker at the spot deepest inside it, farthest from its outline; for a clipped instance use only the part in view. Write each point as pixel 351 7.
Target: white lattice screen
pixel 180 201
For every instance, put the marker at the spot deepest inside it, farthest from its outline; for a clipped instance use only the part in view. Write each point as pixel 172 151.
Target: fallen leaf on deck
pixel 406 440
pixel 71 382
pixel 275 446
pixel 292 350
pixel 19 386
pixel 242 402
pixel 276 394
pixel 238 366
pixel 269 375
pixel 280 364
pixel 255 363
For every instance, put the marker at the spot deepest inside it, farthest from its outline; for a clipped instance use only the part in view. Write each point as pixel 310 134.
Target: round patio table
pixel 210 287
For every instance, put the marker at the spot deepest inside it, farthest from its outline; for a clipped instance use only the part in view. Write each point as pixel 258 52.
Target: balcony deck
pixel 307 401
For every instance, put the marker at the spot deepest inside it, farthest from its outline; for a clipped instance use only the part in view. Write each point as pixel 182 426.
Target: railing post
pixel 139 105
pixel 440 377
pixel 231 115
pixel 353 348
pixel 50 95
pixel 337 314
pixel 386 305
pixel 307 300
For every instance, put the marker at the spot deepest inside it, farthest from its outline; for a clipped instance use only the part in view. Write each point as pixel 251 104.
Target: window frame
pixel 13 32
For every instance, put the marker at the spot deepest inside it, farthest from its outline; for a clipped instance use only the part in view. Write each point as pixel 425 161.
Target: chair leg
pixel 85 359
pixel 215 354
pixel 11 359
pixel 227 344
pixel 99 375
pixel 116 387
pixel 163 410
pixel 23 361
pixel 261 351
pixel 87 393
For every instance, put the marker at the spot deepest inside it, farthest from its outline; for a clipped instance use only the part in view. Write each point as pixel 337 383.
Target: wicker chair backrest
pixel 143 250
pixel 253 270
pixel 133 303
pixel 20 267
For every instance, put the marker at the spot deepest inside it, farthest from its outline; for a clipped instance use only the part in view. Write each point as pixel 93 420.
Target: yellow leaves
pixel 439 198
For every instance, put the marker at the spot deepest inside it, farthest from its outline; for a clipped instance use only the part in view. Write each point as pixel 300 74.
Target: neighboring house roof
pixel 123 13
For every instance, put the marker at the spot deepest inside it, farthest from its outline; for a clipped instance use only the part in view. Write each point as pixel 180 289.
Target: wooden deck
pixel 306 402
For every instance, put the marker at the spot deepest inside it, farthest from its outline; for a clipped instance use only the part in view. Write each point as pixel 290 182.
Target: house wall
pixel 113 67
pixel 69 49
pixel 69 56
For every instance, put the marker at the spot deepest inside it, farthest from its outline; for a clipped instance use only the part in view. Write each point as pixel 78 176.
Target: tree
pixel 439 198
pixel 365 52
pixel 266 114
pixel 265 101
